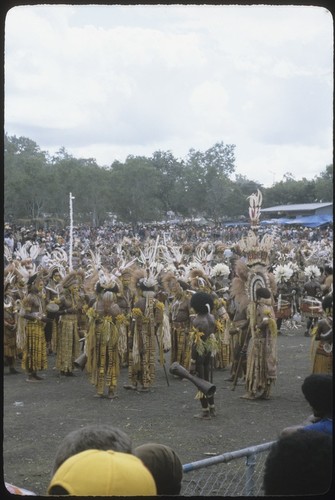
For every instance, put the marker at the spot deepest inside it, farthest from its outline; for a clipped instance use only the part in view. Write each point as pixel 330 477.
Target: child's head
pixel 318 391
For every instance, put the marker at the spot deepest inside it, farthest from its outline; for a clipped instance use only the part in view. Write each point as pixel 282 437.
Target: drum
pixel 52 307
pixel 311 307
pixel 284 311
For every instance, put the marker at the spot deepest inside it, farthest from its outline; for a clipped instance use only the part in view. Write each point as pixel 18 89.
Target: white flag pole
pixel 71 232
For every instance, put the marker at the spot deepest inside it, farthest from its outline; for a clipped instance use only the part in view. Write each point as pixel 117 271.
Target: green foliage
pixel 141 189
pixel 135 191
pixel 324 187
pixel 290 191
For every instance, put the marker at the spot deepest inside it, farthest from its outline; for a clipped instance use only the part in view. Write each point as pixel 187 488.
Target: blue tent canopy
pixel 306 220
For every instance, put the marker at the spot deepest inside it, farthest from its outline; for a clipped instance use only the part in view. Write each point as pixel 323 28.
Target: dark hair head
pixel 318 391
pixel 32 279
pixel 199 301
pixel 58 490
pixel 145 288
pixel 299 464
pixel 263 293
pixel 164 465
pixel 99 288
pixel 97 437
pixel 183 284
pixel 328 270
pixel 55 271
pixel 327 303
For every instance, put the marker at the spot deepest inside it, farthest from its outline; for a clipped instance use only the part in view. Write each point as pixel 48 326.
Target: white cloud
pixel 109 81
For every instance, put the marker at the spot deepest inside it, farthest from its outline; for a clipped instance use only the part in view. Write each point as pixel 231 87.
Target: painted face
pixel 39 284
pixel 56 277
pixel 74 288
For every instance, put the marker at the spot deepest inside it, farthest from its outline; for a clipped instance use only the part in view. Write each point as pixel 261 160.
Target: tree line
pixel 142 189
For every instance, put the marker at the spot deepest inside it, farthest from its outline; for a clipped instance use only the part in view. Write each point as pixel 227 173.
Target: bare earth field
pixel 36 416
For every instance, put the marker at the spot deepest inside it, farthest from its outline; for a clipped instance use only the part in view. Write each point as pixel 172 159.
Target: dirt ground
pixel 37 416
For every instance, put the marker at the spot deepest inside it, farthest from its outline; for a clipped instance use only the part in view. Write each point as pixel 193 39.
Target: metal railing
pixel 229 474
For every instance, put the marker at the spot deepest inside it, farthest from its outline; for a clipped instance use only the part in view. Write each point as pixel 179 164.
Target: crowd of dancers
pixel 208 305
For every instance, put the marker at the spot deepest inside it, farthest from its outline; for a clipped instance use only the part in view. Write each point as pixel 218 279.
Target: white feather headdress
pixel 282 273
pixel 220 270
pixel 312 272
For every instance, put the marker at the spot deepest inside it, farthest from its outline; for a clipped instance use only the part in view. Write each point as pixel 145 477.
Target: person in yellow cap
pixel 102 473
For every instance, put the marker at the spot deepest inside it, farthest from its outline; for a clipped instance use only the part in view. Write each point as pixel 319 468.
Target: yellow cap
pixel 104 473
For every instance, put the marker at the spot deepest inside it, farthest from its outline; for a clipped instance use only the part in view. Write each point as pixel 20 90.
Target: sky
pixel 105 82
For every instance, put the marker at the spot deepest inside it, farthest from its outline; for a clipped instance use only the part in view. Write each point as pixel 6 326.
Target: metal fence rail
pixel 237 473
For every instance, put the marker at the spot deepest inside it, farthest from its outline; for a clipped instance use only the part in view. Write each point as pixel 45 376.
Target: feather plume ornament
pixel 203 258
pixel 152 268
pixel 282 273
pixel 60 256
pixel 93 264
pixel 257 278
pixel 255 203
pixel 312 272
pixel 170 283
pixel 73 278
pixel 123 261
pixel 173 255
pixel 26 272
pixel 204 253
pixel 294 266
pixel 198 278
pixel 220 270
pixel 55 266
pixel 238 293
pixel 255 250
pixel 9 279
pixel 28 251
pixel 241 269
pixel 8 253
pixel 109 281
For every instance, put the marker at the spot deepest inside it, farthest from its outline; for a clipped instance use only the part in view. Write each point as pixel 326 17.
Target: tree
pixel 289 192
pixel 207 177
pixel 25 177
pixel 141 189
pixel 171 179
pixel 135 191
pixel 215 161
pixel 324 185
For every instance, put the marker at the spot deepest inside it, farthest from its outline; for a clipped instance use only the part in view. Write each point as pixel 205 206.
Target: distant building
pixel 304 214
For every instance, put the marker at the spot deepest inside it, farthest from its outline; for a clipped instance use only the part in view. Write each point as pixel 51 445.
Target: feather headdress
pixel 294 266
pixel 256 251
pixel 220 270
pixel 26 273
pixel 123 266
pixel 28 251
pixel 198 279
pixel 204 255
pixel 73 278
pixel 108 282
pixel 94 263
pixel 8 253
pixel 170 283
pixel 282 273
pixel 151 266
pixel 9 278
pixel 172 254
pixel 312 272
pixel 255 203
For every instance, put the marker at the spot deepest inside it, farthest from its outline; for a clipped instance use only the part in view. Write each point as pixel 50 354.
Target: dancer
pixel 204 346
